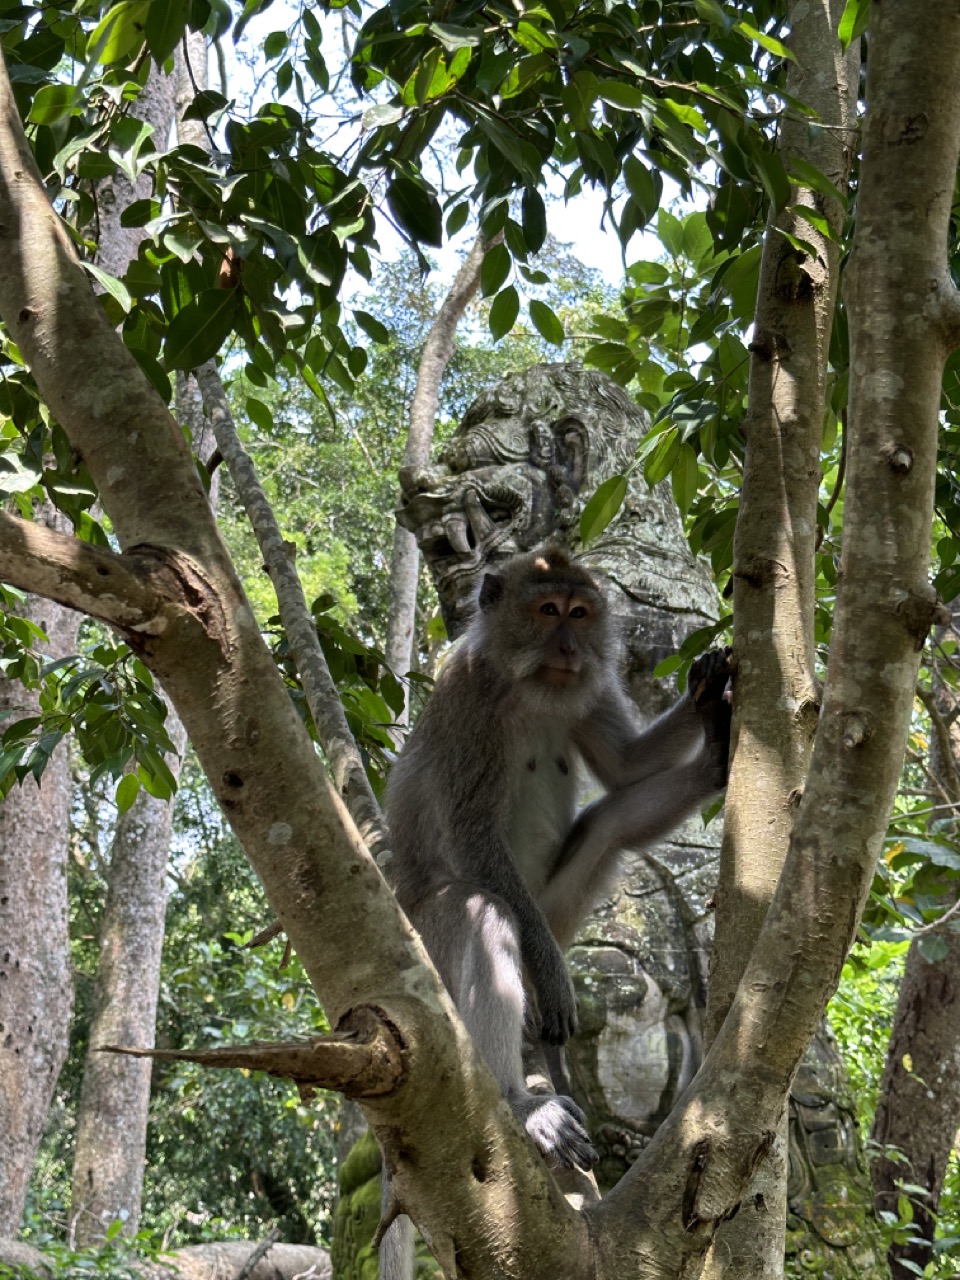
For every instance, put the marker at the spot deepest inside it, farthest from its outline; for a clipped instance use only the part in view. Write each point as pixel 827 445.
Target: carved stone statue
pixel 527 455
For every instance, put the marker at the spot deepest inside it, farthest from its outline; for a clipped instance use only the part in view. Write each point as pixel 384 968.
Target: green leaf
pixel 853 21
pixel 686 478
pixel 686 114
pixel 118 31
pixel 620 94
pixel 199 330
pixel 372 327
pixel 697 240
pixel 814 219
pixel 808 175
pixel 206 103
pixel 457 218
pixel 534 219
pixel 110 284
pixel 668 666
pixel 670 231
pixel 494 269
pixel 947 582
pixel 770 170
pixel 711 12
pixel 546 323
pixel 155 775
pixel 164 27
pixel 128 788
pixel 416 210
pixel 644 187
pixel 453 38
pixel 18 479
pixel 259 414
pixel 933 948
pixel 53 102
pixel 140 212
pixel 602 508
pixel 521 154
pixel 801 246
pixel 662 457
pixel 773 46
pixel 382 115
pixel 504 312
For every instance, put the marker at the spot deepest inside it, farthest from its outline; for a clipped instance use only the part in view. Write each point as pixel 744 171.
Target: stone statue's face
pixel 505 482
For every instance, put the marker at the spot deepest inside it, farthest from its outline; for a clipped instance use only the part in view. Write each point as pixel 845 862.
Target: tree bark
pixel 919 1102
pixel 777 696
pixel 118 245
pixel 437 352
pixel 36 979
pixel 114 1102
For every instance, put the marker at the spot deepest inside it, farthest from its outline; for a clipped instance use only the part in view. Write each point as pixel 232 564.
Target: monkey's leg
pixel 472 939
pixel 630 818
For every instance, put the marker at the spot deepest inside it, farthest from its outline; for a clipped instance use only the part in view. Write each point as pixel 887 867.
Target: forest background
pixel 320 371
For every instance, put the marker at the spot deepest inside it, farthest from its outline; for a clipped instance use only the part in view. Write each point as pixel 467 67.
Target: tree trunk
pixel 437 351
pixel 777 698
pixel 36 980
pixel 118 245
pixel 919 1101
pixel 112 1114
pixel 919 1104
pixel 115 1096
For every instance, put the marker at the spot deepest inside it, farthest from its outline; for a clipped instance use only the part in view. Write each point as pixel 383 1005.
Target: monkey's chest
pixel 542 803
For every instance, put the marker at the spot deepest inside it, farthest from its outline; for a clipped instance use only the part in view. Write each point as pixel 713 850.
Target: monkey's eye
pixel 578 611
pixel 550 609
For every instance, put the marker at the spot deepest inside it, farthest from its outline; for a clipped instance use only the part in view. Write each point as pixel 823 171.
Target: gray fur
pixel 489 863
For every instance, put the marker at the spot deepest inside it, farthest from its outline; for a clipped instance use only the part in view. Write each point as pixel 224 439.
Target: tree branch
pixel 122 591
pixel 437 352
pixel 362 1059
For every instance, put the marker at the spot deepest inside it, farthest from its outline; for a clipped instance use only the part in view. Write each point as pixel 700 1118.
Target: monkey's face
pixel 564 623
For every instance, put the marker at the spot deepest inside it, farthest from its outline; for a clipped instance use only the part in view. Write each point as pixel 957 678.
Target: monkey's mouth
pixel 559 677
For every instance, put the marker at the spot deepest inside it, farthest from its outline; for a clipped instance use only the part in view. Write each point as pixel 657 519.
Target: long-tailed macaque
pixel 490 865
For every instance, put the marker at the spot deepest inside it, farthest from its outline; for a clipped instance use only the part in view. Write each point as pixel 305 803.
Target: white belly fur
pixel 542 806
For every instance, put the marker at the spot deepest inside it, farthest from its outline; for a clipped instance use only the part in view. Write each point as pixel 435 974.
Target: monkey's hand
pixel 711 690
pixel 556 998
pixel 558 1128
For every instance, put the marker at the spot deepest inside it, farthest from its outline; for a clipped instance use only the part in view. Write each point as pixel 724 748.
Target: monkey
pixel 490 863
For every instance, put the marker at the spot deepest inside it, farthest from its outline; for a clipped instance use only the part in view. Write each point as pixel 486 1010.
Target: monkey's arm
pixel 620 756
pixel 632 817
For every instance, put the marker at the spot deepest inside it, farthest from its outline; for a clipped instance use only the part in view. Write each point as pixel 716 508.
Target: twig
pixel 951 785
pixel 935 924
pixel 262 1249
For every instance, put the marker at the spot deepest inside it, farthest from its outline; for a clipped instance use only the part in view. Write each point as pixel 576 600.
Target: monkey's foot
pixel 558 1128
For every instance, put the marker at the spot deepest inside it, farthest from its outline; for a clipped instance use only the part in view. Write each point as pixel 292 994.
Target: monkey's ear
pixel 491 589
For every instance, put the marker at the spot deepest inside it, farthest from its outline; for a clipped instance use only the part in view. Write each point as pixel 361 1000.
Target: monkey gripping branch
pixel 461 1164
